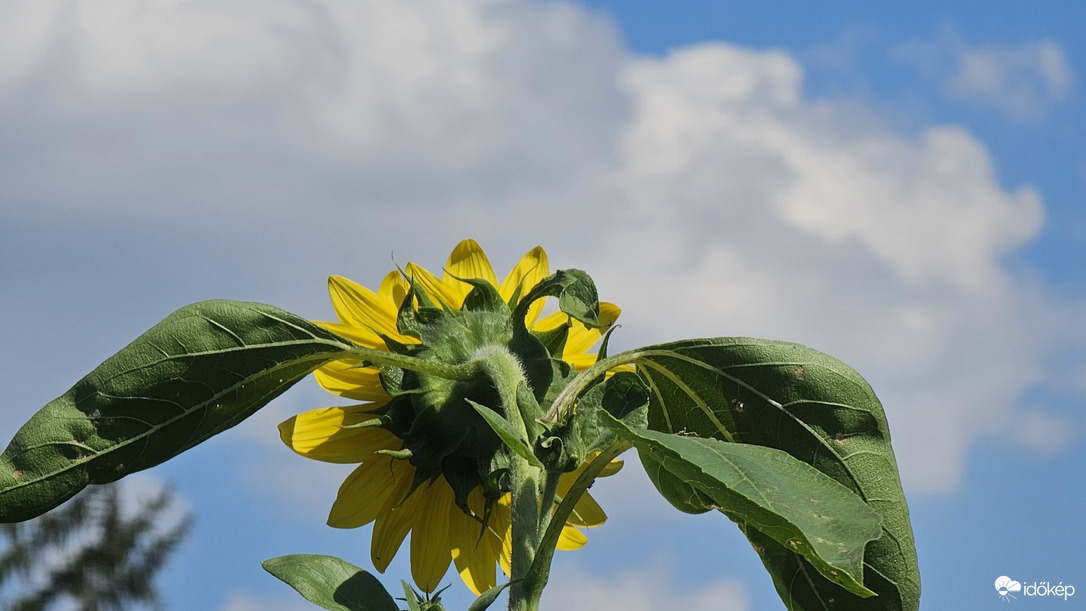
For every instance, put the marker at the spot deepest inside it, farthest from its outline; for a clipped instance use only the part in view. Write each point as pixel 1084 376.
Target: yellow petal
pixel 587 512
pixel 475 548
pixel 359 307
pixel 612 468
pixel 393 289
pixel 571 538
pixel 581 338
pixel 435 288
pixel 362 336
pixel 364 494
pixel 551 321
pixel 580 362
pixel 500 522
pixel 527 273
pixel 347 379
pixel 395 518
pixel 430 548
pixel 320 434
pixel 468 260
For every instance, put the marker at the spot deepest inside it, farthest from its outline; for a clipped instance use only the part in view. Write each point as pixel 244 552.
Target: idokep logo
pixel 1006 588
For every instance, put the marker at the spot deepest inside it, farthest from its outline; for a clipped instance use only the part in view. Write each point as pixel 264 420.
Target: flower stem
pixel 579 384
pixel 539 572
pixel 459 373
pixel 506 373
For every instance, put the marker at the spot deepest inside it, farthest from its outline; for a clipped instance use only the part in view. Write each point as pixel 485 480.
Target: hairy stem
pixel 461 373
pixel 507 375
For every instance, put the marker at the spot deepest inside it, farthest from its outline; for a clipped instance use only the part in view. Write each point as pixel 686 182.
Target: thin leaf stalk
pixel 539 572
pixel 565 400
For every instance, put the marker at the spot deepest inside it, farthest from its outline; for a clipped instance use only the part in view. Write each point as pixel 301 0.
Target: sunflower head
pixel 442 433
pixel 430 463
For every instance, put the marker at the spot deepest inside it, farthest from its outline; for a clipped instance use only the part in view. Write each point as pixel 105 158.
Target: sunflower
pixel 414 475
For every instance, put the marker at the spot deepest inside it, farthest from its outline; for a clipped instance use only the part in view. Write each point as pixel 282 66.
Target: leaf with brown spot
pixel 828 417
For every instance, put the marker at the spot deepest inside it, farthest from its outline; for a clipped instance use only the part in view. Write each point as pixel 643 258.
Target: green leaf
pixel 819 410
pixel 770 491
pixel 487 598
pixel 203 369
pixel 510 436
pixel 331 583
pixel 413 598
pixel 576 295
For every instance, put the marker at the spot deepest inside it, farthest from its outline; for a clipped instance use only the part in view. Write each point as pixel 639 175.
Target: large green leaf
pixel 331 583
pixel 203 369
pixel 771 491
pixel 816 408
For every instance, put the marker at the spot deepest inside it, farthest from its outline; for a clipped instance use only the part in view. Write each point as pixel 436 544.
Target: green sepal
pixel 772 492
pixel 413 598
pixel 816 408
pixel 512 438
pixel 416 601
pixel 604 341
pixel 483 297
pixel 331 583
pixel 411 320
pixel 554 340
pixel 202 370
pixel 576 295
pixel 487 598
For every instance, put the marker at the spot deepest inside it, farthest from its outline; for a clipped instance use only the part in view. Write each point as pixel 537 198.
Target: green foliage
pixel 789 397
pixel 331 583
pixel 769 491
pixel 90 553
pixel 789 443
pixel 202 370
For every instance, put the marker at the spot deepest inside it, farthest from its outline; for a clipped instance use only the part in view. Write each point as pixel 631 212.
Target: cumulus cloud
pixel 1021 80
pixel 191 103
pixel 752 211
pixel 705 192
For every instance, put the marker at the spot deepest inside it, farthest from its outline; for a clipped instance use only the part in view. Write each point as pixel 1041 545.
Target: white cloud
pixel 1022 80
pixel 722 122
pixel 751 211
pixel 490 98
pixel 577 589
pixel 703 190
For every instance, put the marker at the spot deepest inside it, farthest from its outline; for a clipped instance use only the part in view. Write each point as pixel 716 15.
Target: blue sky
pixel 900 186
